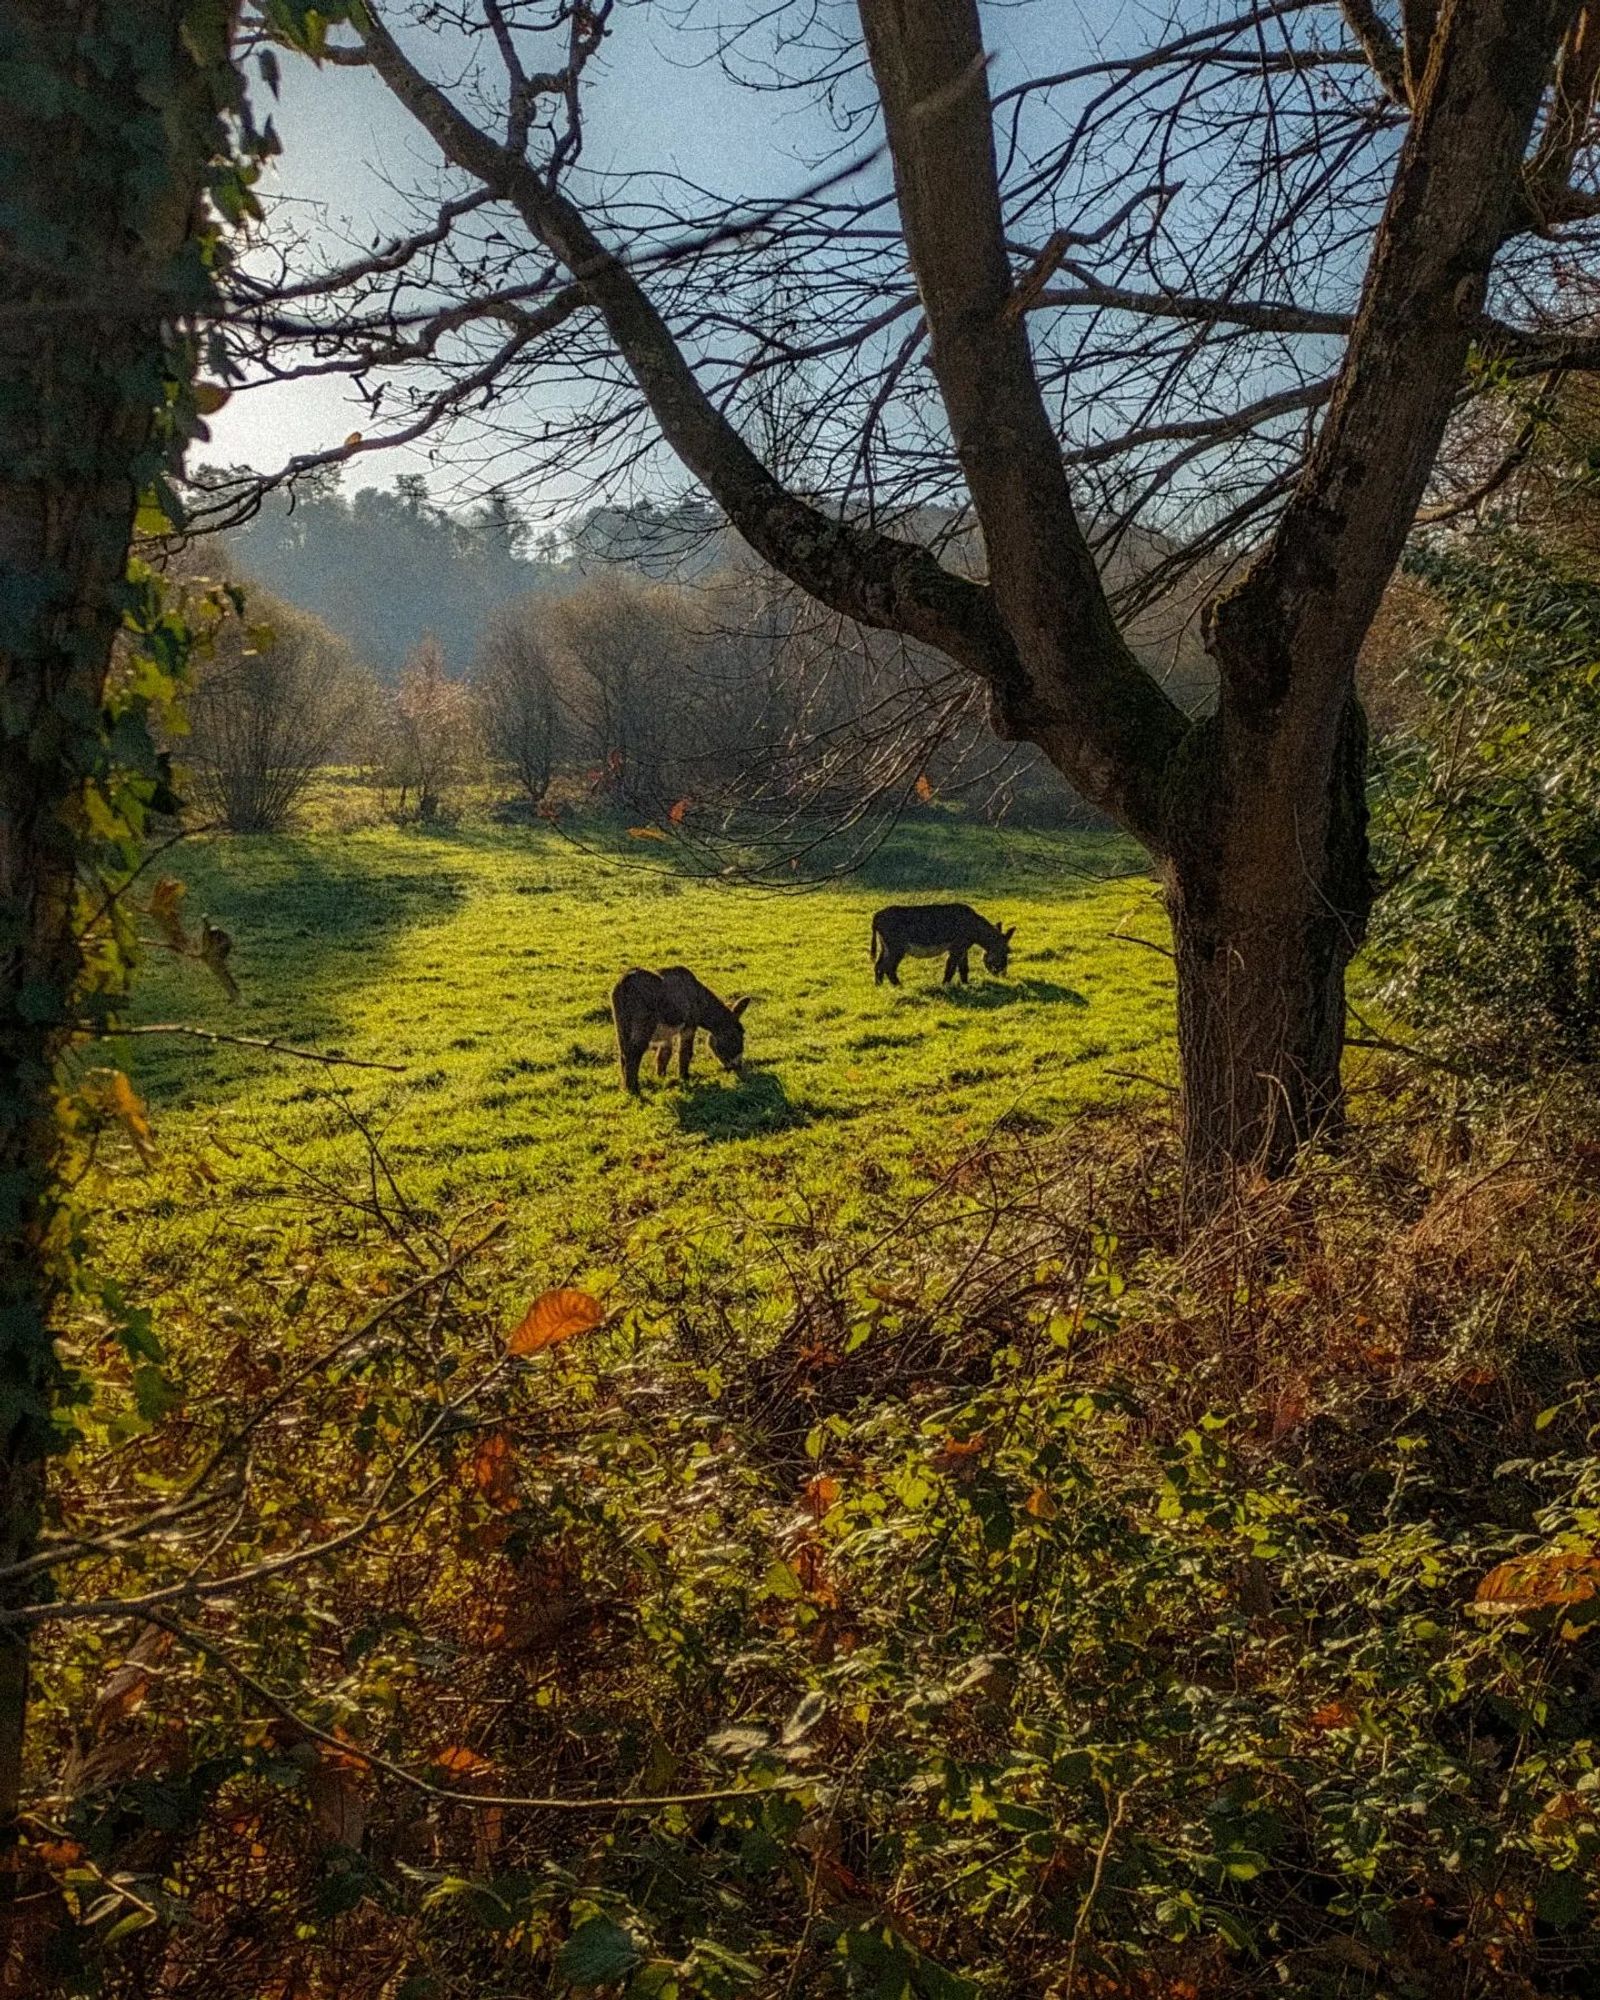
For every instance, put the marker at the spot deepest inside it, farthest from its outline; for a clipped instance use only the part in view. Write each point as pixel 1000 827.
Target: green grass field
pixel 482 960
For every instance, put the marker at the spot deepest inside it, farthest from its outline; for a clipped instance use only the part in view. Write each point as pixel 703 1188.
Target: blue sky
pixel 348 148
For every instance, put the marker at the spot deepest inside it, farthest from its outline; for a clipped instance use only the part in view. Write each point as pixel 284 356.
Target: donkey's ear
pixel 740 1005
pixel 1010 934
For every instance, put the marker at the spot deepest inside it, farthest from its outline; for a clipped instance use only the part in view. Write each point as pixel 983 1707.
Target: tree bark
pixel 108 122
pixel 1269 887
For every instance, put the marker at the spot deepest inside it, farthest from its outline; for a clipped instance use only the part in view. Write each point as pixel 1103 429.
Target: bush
pixel 1488 814
pixel 272 701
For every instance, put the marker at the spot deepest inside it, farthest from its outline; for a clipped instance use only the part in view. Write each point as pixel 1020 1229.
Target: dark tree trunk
pixel 108 121
pixel 1269 888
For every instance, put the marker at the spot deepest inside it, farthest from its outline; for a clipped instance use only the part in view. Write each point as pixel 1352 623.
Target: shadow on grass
pixel 752 1104
pixel 991 993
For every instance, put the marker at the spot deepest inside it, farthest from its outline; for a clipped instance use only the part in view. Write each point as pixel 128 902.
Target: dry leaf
pixel 124 1100
pixel 1332 1715
pixel 646 833
pixel 1537 1583
pixel 461 1762
pixel 494 1472
pixel 554 1317
pixel 1040 1505
pixel 924 789
pixel 957 1454
pixel 680 811
pixel 821 1493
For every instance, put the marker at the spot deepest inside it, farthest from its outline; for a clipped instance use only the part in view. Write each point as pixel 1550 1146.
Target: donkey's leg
pixel 891 966
pixel 961 967
pixel 950 965
pixel 663 1057
pixel 685 1053
pixel 632 1049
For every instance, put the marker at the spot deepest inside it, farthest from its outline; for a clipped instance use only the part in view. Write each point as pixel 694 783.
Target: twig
pixel 208 1650
pixel 267 1042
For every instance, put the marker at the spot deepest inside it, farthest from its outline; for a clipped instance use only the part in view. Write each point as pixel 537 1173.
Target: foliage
pixel 1490 812
pixel 964 1594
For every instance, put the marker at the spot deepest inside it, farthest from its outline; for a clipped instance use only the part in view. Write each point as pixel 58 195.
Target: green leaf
pixel 598 1953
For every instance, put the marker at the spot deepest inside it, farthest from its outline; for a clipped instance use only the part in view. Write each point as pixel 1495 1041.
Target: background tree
pixel 434 732
pixel 518 704
pixel 273 698
pixel 1252 218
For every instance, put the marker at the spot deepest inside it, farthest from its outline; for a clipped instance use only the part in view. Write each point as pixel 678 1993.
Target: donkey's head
pixel 727 1037
pixel 997 951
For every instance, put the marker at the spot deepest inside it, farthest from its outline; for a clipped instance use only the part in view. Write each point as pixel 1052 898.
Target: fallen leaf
pixel 924 789
pixel 352 441
pixel 680 811
pixel 646 833
pixel 554 1317
pixel 1040 1505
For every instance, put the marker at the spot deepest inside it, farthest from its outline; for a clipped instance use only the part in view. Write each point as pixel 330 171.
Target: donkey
pixel 925 930
pixel 656 1009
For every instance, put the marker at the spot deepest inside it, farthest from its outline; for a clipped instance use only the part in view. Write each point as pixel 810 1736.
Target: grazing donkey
pixel 925 930
pixel 656 1009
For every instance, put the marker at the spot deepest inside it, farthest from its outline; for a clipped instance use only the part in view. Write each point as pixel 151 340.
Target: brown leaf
pixel 461 1762
pixel 1332 1715
pixel 553 1317
pixel 924 789
pixel 125 1102
pixel 646 833
pixel 1040 1505
pixel 494 1471
pixel 680 811
pixel 1537 1583
pixel 821 1493
pixel 58 1854
pixel 957 1455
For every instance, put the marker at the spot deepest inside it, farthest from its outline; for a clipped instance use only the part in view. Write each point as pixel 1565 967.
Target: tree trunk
pixel 108 122
pixel 1269 889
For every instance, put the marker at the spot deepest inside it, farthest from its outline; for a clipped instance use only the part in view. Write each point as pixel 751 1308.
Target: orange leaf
pixel 1333 1715
pixel 821 1493
pixel 494 1471
pixel 646 833
pixel 680 811
pixel 956 1455
pixel 352 441
pixel 924 789
pixel 1040 1505
pixel 553 1317
pixel 461 1762
pixel 1538 1583
pixel 58 1853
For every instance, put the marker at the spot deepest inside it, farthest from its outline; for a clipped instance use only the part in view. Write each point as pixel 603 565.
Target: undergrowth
pixel 1039 1605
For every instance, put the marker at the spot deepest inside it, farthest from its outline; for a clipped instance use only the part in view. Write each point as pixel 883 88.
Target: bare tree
pixel 434 729
pixel 1227 283
pixel 275 695
pixel 516 690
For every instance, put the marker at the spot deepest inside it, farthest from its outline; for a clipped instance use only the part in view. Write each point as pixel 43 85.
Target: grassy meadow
pixel 481 959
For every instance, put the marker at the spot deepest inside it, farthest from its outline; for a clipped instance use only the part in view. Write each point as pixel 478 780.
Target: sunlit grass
pixel 482 960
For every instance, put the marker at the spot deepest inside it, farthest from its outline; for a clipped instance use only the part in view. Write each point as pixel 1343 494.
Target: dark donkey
pixel 656 1009
pixel 925 930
